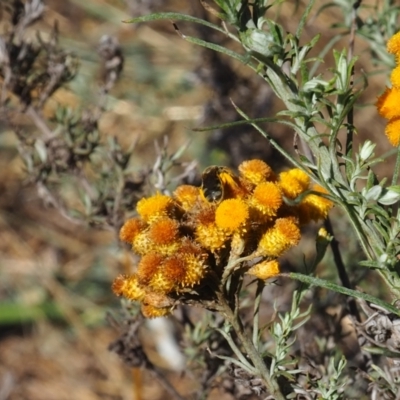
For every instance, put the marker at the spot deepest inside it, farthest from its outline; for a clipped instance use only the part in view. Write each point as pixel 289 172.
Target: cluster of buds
pixel 200 235
pixel 388 103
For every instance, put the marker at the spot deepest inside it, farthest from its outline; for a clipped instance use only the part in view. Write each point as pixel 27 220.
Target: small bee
pixel 218 183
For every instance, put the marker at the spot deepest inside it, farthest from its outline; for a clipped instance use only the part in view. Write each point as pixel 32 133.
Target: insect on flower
pixel 219 183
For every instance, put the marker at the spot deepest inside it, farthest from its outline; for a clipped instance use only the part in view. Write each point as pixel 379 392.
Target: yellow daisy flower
pixel 283 235
pixel 256 171
pixel 267 199
pixel 211 237
pixel 392 131
pixel 231 215
pixel 131 229
pixel 395 78
pixel 164 236
pixel 393 44
pixel 170 274
pixel 148 266
pixel 293 182
pixel 154 207
pixel 187 196
pixel 388 103
pixel 265 269
pixel 129 287
pixel 314 207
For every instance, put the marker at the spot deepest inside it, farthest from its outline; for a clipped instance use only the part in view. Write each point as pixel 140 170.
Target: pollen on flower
pixel 283 235
pixel 256 171
pixel 265 269
pixel 148 266
pixel 293 182
pixel 130 229
pixel 155 312
pixel 187 196
pixel 267 198
pixel 388 103
pixel 393 44
pixel 231 214
pixel 128 286
pixel 154 207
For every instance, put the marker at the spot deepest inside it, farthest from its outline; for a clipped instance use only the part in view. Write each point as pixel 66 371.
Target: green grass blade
pixel 313 281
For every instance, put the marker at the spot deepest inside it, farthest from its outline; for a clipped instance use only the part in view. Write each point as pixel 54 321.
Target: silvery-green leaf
pixel 373 194
pixel 367 150
pixel 258 41
pixel 313 84
pixel 391 196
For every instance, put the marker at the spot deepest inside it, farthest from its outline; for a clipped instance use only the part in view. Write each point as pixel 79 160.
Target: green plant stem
pixel 396 168
pixel 255 357
pixel 337 256
pixel 256 316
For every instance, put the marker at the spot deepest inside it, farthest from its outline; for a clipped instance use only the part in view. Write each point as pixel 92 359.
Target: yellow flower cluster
pixel 388 103
pixel 185 238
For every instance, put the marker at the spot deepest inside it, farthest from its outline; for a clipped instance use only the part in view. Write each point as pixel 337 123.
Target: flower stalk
pixel 250 350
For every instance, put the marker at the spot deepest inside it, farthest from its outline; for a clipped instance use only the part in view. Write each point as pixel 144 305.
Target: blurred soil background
pixel 55 273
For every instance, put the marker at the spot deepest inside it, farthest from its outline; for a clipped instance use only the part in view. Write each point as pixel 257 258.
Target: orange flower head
pixel 388 103
pixel 293 182
pixel 395 78
pixel 265 269
pixel 205 215
pixel 129 287
pixel 267 199
pixel 187 196
pixel 231 215
pixel 256 171
pixel 211 237
pixel 174 268
pixel 164 231
pixel 170 274
pixel 149 311
pixel 154 207
pixel 164 235
pixel 283 235
pixel 131 229
pixel 392 131
pixel 148 267
pixel 195 269
pixel 190 246
pixel 314 207
pixel 142 244
pixel 393 44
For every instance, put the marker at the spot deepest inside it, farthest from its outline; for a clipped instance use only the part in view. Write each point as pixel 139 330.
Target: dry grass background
pixel 56 275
